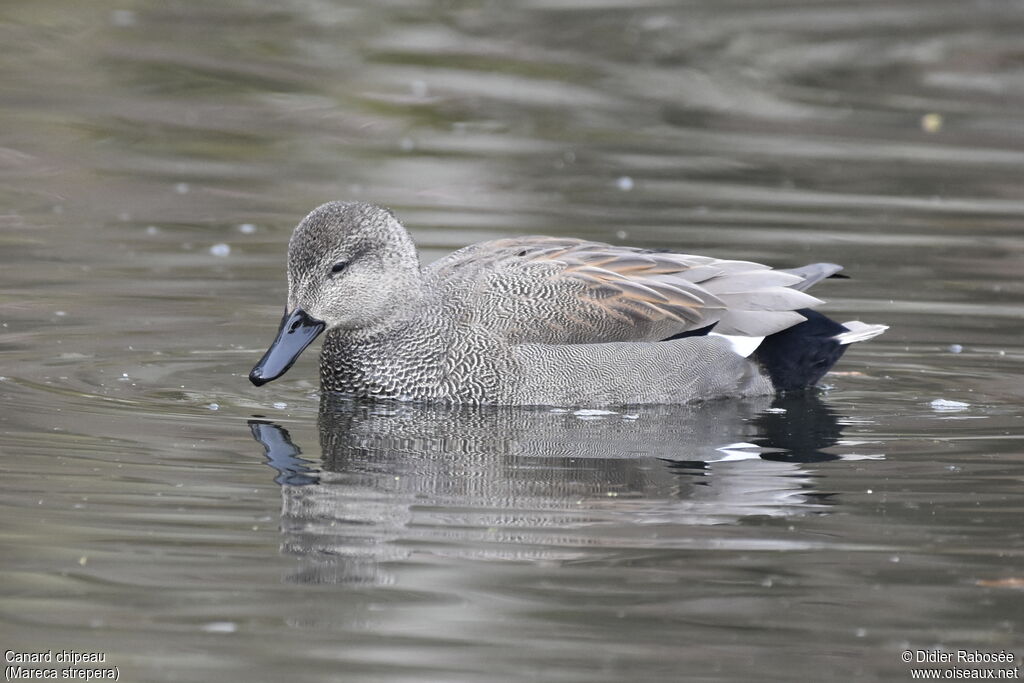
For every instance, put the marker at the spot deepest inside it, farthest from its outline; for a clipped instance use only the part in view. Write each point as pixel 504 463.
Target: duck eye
pixel 338 267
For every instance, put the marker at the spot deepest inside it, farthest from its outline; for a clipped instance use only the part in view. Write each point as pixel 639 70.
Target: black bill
pixel 297 331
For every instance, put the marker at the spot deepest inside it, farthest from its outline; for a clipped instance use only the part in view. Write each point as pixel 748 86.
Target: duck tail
pixel 798 357
pixel 814 273
pixel 858 331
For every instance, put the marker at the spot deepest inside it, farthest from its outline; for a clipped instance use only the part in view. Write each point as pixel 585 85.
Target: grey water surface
pixel 157 508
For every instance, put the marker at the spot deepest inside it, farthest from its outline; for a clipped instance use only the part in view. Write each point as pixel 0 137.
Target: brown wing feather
pixel 562 290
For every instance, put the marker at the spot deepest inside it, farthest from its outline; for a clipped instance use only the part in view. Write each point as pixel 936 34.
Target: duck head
pixel 349 264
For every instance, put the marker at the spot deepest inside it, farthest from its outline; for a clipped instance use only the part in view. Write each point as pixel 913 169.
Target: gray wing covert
pixel 549 290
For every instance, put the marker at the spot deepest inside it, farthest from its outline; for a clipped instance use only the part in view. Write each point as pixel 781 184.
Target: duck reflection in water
pixel 537 484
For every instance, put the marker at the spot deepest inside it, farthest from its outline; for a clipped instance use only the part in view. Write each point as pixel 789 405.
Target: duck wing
pixel 550 290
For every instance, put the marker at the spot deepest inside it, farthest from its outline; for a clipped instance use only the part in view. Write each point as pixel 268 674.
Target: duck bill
pixel 297 332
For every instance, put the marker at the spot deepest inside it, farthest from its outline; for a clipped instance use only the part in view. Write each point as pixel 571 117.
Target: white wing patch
pixel 743 346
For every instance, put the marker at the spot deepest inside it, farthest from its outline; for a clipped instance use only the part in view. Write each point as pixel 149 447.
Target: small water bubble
pixel 213 406
pixel 955 348
pixel 621 234
pixel 942 405
pixel 861 632
pixel 419 88
pixel 60 314
pixel 220 627
pixel 931 123
pixel 220 249
pixel 181 188
pixel 280 405
pixel 624 183
pixel 247 228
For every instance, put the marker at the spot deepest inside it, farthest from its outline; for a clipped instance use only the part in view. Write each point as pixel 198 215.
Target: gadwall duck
pixel 543 320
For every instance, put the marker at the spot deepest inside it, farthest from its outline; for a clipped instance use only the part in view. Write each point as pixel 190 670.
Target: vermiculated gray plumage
pixel 529 320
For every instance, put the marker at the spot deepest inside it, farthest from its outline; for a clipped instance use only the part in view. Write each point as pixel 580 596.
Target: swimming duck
pixel 544 320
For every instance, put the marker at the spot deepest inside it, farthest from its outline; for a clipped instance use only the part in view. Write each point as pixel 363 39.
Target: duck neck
pixel 370 361
pixel 375 334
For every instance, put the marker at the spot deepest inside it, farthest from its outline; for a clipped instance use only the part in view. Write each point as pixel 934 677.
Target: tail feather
pixel 813 273
pixel 798 357
pixel 768 314
pixel 858 331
